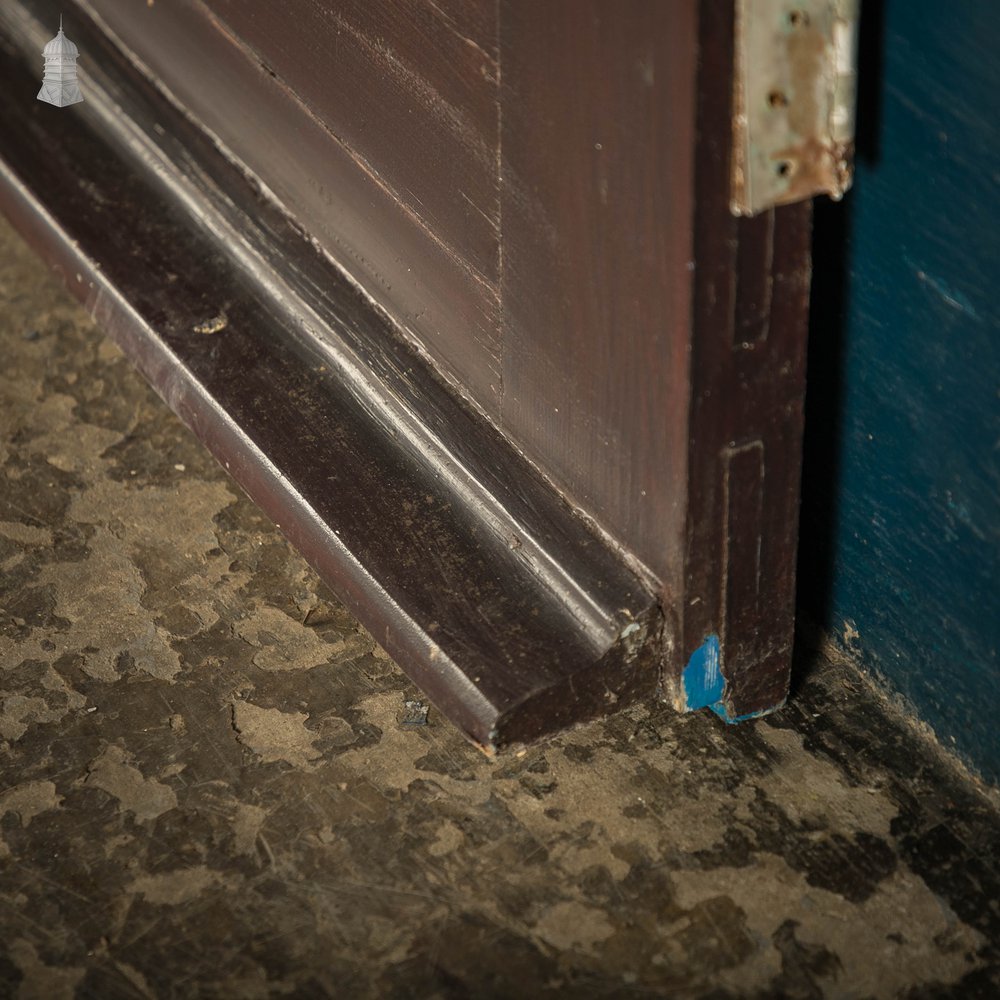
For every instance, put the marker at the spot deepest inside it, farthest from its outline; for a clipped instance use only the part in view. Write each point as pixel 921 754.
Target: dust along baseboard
pixel 510 609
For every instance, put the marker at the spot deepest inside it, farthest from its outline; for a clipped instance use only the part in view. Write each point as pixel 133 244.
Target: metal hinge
pixel 794 93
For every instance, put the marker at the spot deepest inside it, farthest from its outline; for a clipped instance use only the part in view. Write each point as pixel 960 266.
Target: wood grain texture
pixel 573 335
pixel 364 157
pixel 597 139
pixel 410 89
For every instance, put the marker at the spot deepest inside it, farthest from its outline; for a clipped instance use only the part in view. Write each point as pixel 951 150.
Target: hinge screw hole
pixel 777 99
pixel 785 168
pixel 798 19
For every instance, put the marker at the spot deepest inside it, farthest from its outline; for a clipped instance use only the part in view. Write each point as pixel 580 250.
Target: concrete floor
pixel 211 784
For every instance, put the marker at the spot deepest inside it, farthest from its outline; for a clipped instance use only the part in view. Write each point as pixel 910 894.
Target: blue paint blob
pixel 702 677
pixel 704 684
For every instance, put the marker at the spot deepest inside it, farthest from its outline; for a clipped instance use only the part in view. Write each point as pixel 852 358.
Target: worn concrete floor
pixel 211 786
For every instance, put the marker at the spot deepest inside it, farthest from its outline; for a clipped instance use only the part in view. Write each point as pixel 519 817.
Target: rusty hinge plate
pixel 794 90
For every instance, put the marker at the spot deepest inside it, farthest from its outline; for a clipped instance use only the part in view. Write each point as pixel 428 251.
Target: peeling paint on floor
pixel 211 783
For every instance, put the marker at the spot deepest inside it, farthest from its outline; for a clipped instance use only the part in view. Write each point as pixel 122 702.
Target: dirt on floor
pixel 213 783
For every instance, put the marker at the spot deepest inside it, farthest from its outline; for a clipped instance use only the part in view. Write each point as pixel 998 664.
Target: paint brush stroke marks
pixel 950 296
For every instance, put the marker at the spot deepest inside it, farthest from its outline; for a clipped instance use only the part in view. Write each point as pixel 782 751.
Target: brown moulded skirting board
pixel 513 613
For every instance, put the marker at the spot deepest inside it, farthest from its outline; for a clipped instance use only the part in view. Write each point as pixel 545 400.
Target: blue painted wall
pixel 901 510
